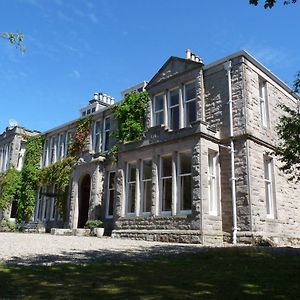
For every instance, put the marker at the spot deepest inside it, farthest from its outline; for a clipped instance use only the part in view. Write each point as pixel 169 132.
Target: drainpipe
pixel 227 67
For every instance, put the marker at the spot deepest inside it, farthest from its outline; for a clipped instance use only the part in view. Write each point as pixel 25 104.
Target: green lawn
pixel 230 273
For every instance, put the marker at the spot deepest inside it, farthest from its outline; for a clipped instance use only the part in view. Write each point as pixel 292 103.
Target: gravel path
pixel 22 248
pixel 46 249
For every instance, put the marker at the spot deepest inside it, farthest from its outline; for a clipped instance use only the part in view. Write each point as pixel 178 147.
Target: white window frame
pixel 213 183
pixel 269 187
pixel 128 182
pixel 161 180
pixel 188 101
pixel 143 180
pixel 45 153
pixel 108 190
pixel 61 146
pixel 158 111
pixel 179 176
pixel 97 135
pixel 53 147
pixel 52 214
pixel 263 103
pixel 105 131
pixel 171 107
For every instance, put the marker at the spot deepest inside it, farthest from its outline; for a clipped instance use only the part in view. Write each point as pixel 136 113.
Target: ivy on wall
pixel 10 183
pixel 29 178
pixel 59 173
pixel 80 138
pixel 131 118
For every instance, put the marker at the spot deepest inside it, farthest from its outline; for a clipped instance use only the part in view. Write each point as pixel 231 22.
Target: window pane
pixel 107 123
pixel 186 193
pixel 106 138
pixel 159 103
pixel 147 185
pixel 147 169
pixel 190 91
pixel 97 127
pixel 185 163
pixel 112 180
pixel 191 114
pixel 167 194
pixel 159 118
pixel 167 166
pixel 132 172
pixel 174 98
pixel 131 197
pixel 174 118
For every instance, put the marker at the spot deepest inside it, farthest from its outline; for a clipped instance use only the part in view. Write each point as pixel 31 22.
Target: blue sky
pixel 78 47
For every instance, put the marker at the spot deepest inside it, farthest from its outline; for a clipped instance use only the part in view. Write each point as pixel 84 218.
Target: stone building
pixel 12 151
pixel 202 173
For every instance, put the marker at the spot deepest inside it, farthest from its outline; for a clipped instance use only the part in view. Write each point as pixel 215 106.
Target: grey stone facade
pixel 12 152
pixel 188 130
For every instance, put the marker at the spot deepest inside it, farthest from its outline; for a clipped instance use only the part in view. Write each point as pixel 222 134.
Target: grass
pixel 230 273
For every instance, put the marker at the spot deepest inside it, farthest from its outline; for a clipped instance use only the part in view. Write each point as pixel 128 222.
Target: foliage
pixel 288 149
pixel 15 38
pixel 131 117
pixel 288 130
pixel 58 173
pixel 210 273
pixel 92 224
pixel 80 138
pixel 271 3
pixel 7 226
pixel 10 183
pixel 29 178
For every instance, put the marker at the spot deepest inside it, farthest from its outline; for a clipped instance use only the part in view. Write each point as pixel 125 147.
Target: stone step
pixel 65 231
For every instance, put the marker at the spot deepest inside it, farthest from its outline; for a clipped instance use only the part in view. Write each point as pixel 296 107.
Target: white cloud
pixel 93 18
pixel 75 74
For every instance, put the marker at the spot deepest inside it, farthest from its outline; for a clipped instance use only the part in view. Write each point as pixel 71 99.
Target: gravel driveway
pixel 23 248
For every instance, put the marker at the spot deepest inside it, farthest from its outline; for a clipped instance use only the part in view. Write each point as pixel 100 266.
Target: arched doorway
pixel 84 200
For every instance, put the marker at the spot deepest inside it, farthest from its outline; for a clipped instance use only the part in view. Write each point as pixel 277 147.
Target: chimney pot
pixel 96 96
pixel 188 53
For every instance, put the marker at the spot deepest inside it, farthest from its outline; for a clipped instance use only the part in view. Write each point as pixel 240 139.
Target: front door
pixel 85 191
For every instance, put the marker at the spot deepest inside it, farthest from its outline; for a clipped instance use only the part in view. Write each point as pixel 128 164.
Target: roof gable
pixel 172 67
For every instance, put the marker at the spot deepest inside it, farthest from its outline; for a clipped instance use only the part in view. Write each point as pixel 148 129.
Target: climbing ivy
pixel 80 138
pixel 10 183
pixel 131 118
pixel 29 178
pixel 59 173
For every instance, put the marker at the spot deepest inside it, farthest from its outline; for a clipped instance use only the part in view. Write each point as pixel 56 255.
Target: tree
pixel 288 129
pixel 271 3
pixel 15 38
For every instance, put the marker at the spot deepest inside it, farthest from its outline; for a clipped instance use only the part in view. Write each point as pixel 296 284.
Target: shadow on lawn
pixel 181 273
